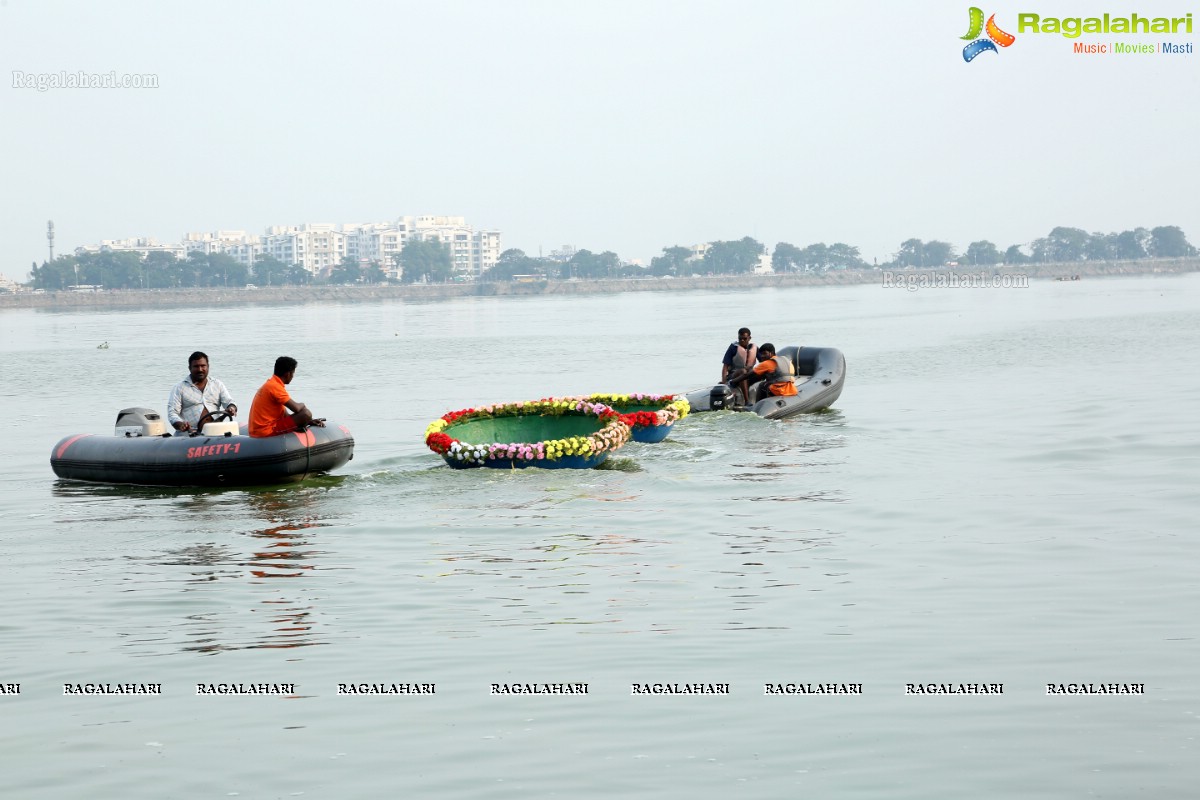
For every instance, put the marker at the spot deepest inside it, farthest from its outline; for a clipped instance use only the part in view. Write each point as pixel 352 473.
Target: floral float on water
pixel 649 415
pixel 529 434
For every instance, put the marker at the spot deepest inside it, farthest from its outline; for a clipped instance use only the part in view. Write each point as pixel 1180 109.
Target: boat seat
pixel 227 428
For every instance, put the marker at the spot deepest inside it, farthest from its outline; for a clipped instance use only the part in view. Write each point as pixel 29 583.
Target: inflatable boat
pixel 819 373
pixel 145 451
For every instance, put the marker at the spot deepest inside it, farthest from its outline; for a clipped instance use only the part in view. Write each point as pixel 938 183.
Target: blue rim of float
pixel 650 434
pixel 563 462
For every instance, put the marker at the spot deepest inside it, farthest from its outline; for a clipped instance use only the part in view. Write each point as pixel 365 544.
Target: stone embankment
pixel 292 295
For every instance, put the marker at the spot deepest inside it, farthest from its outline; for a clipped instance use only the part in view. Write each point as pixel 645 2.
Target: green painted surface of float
pixel 524 429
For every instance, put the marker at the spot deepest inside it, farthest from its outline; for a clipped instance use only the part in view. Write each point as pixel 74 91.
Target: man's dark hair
pixel 284 365
pixel 196 356
pixel 743 330
pixel 766 348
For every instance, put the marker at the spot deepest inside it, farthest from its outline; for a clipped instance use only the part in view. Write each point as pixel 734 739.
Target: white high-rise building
pixel 143 246
pixel 471 252
pixel 240 245
pixel 485 250
pixel 319 248
pixel 377 241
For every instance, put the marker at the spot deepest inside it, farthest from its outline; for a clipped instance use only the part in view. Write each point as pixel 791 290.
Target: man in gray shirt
pixel 197 396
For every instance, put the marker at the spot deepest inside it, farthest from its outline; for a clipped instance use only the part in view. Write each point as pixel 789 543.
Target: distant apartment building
pixel 143 246
pixel 242 246
pixel 472 252
pixel 376 241
pixel 319 248
pixel 485 251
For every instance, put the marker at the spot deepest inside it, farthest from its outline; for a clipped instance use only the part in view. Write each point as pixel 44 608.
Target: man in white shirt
pixel 197 396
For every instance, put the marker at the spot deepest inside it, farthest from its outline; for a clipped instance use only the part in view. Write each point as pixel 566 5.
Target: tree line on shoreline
pixel 124 269
pixel 431 262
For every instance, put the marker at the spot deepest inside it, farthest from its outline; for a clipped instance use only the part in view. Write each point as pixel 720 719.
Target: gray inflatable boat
pixel 819 373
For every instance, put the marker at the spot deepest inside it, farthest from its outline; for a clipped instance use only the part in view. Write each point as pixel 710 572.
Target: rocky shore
pixel 291 295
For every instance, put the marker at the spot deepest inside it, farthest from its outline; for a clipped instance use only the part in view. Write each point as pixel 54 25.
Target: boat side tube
pixel 826 371
pixel 181 460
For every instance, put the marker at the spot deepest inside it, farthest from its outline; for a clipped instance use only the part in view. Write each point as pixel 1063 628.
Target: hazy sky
pixel 625 126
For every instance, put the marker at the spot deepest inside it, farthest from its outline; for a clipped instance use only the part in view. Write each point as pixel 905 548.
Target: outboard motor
pixel 721 397
pixel 140 422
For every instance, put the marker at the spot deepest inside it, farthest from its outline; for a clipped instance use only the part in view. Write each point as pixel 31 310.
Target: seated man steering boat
pixel 776 372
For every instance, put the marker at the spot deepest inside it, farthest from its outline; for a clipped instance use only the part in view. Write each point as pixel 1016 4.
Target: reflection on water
pixel 629 583
pixel 283 548
pixel 755 542
pixel 550 581
pixel 786 450
pixel 207 561
pixel 761 565
pixel 227 579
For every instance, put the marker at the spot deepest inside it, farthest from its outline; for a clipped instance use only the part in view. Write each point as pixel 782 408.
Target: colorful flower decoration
pixel 613 433
pixel 672 408
pixel 648 425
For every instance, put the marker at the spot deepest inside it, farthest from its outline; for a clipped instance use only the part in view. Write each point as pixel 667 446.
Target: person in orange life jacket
pixel 774 369
pixel 269 411
pixel 740 354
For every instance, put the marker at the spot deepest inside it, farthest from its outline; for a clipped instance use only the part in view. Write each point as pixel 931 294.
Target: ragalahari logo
pixel 995 36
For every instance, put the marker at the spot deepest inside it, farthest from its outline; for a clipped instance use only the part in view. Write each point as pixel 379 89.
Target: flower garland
pixel 673 410
pixel 612 435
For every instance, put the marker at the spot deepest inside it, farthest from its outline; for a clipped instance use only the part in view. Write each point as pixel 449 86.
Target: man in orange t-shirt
pixel 776 370
pixel 269 411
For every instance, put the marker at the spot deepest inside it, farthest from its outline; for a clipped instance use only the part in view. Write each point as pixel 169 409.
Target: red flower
pixel 453 415
pixel 439 442
pixel 646 419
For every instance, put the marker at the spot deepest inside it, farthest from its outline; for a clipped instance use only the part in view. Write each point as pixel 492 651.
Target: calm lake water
pixel 1006 492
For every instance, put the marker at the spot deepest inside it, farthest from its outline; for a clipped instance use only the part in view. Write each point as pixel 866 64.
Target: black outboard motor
pixel 722 396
